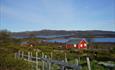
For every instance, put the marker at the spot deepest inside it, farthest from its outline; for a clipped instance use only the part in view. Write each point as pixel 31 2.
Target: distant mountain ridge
pixel 87 33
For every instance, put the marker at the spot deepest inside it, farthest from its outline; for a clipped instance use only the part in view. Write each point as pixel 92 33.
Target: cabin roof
pixel 74 41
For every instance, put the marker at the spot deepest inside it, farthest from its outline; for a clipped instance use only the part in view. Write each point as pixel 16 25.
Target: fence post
pixel 62 67
pixel 36 60
pixel 22 55
pixel 49 65
pixel 66 58
pixel 19 54
pixel 15 55
pixel 28 56
pixel 76 60
pixel 51 56
pixel 42 61
pixel 79 59
pixel 88 63
pixel 46 65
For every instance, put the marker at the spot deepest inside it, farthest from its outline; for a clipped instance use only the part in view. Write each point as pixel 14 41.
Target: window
pixel 85 44
pixel 81 45
pixel 74 45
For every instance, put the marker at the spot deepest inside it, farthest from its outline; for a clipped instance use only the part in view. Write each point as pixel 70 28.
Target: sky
pixel 33 15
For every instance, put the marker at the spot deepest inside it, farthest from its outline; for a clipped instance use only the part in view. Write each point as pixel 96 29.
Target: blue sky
pixel 30 15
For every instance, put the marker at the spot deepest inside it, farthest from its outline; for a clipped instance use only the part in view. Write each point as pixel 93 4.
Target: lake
pixel 112 40
pixel 42 36
pixel 65 40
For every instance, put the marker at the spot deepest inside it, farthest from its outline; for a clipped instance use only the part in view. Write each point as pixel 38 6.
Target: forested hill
pixel 88 33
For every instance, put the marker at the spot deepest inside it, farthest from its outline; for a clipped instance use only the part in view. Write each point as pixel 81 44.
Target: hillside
pixel 88 33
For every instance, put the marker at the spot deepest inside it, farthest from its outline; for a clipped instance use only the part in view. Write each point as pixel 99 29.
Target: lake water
pixel 57 40
pixel 42 36
pixel 52 36
pixel 65 40
pixel 104 40
pixel 112 40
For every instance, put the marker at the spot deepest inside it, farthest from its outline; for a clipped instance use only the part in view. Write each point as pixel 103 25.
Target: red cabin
pixel 77 43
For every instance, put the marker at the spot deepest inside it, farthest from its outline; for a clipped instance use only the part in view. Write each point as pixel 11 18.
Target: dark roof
pixel 74 41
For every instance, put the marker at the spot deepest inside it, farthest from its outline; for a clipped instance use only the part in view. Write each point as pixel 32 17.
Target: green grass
pixel 8 62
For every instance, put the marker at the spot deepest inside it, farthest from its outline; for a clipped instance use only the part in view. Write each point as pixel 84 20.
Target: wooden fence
pixel 64 65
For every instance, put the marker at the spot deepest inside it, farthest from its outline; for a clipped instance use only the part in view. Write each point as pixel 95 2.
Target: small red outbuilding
pixel 79 43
